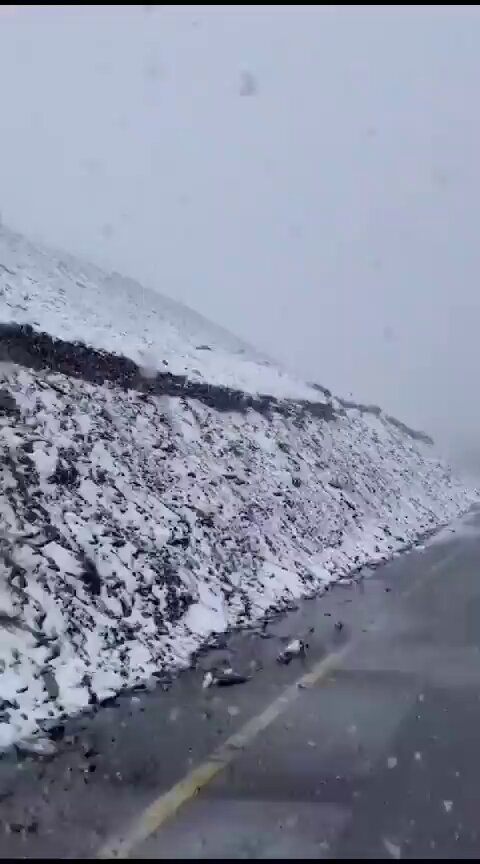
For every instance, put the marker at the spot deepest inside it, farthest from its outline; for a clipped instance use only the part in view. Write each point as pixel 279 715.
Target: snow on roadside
pixel 134 526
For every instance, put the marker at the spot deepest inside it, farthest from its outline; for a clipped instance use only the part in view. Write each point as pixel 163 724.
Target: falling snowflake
pixel 248 84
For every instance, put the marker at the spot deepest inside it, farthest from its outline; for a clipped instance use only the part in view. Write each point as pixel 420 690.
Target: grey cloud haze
pixel 306 176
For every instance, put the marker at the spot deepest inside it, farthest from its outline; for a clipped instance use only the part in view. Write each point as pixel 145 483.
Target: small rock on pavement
pixel 21 827
pixel 228 677
pixel 295 648
pixel 233 710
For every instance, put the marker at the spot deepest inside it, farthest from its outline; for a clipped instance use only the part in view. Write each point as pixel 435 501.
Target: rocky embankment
pixel 140 513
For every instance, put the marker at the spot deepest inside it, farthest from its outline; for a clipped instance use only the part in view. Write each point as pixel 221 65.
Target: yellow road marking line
pixel 166 805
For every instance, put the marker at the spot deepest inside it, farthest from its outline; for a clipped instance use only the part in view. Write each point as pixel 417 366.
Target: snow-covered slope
pixel 139 514
pixel 77 301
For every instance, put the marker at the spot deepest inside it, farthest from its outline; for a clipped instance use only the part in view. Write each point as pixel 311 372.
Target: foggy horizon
pixel 306 177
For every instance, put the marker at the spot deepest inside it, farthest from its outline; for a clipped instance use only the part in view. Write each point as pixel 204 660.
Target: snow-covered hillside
pixel 73 300
pixel 142 512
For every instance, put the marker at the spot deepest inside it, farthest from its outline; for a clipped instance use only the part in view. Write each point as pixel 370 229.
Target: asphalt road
pixel 375 755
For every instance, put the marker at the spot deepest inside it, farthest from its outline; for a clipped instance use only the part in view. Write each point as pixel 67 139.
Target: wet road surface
pixel 376 757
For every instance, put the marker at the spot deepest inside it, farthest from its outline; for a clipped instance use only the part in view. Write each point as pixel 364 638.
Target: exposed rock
pixel 295 648
pixel 228 677
pixel 50 683
pixel 91 578
pixel 36 746
pixel 8 405
pixel 8 703
pixel 56 732
pixel 65 474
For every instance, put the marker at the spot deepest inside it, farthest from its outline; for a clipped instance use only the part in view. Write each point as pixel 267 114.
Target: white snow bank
pixel 132 527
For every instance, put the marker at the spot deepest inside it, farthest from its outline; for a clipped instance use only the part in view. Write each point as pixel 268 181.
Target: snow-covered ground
pixel 132 525
pixel 73 300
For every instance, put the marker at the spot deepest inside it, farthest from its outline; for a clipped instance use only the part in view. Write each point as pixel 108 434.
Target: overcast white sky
pixel 331 216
